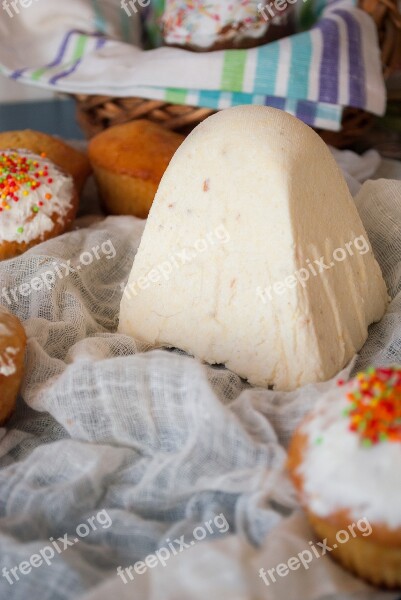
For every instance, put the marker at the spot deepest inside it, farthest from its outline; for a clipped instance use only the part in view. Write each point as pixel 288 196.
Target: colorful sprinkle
pixel 19 176
pixel 374 412
pixel 199 22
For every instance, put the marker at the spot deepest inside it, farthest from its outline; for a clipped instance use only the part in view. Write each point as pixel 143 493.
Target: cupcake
pixel 345 461
pixel 129 161
pixel 37 201
pixel 199 26
pixel 61 154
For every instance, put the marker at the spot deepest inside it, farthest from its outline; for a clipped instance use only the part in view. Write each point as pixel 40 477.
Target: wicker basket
pixel 96 113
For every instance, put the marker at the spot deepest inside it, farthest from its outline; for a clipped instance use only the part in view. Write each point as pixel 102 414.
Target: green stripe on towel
pixel 80 47
pixel 233 70
pixel 176 96
pixel 78 53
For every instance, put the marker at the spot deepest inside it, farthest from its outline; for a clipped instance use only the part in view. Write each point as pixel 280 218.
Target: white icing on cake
pixel 340 473
pixel 7 364
pixel 202 24
pixel 19 222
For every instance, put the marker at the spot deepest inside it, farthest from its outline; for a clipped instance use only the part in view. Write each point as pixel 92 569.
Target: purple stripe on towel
pixel 275 102
pixel 99 44
pixel 328 77
pixel 357 80
pixel 57 59
pixel 306 111
pixel 17 74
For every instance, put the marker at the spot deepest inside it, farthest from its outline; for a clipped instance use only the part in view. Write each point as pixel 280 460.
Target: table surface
pixel 55 117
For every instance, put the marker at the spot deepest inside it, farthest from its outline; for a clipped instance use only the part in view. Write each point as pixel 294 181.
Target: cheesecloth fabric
pixel 141 448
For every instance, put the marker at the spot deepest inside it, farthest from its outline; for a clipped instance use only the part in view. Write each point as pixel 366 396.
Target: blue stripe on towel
pixel 209 98
pixel 329 65
pixel 298 84
pixel 266 68
pixel 99 22
pixel 328 113
pixel 306 111
pixel 357 91
pixel 275 102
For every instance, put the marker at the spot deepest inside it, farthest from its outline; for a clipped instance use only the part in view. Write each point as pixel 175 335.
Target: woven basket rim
pixel 97 112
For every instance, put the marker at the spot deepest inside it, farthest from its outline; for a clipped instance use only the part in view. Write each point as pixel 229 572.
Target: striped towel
pixel 93 47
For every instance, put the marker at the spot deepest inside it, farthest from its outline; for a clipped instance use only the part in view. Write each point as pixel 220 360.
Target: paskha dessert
pixel 61 154
pixel 345 460
pixel 202 26
pixel 129 161
pixel 271 182
pixel 12 349
pixel 37 201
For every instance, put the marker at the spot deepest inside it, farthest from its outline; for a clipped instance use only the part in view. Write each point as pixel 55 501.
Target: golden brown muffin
pixel 37 201
pixel 129 161
pixel 345 462
pixel 12 350
pixel 68 159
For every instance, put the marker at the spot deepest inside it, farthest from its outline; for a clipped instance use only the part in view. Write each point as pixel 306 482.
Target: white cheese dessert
pixel 254 255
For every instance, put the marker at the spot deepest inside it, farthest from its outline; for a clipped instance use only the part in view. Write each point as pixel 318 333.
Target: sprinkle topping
pixel 34 193
pixel 375 406
pixel 200 23
pixel 19 176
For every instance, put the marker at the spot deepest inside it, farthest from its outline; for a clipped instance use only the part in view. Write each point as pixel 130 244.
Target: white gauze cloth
pixel 158 440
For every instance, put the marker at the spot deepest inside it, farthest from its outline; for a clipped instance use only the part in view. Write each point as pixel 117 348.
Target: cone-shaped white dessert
pixel 254 255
